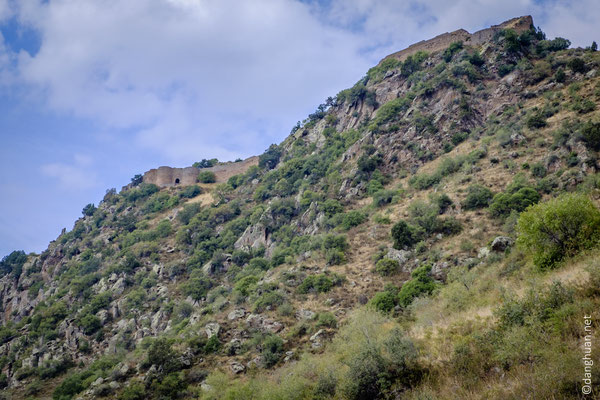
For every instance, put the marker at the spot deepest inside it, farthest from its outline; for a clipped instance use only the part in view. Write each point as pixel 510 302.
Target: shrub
pixel 207 177
pixel 536 120
pixel 334 257
pixel 197 286
pixel 89 324
pixel 331 207
pixel 590 131
pixel 259 263
pixel 353 218
pixel 516 198
pixel 320 283
pixel 204 163
pixel 383 301
pixel 88 210
pixel 383 197
pixel 538 170
pixel 162 355
pixel 272 349
pixel 559 228
pixel 420 283
pixel 404 235
pixel 170 386
pixel 244 285
pixel 268 300
pixel 191 191
pixel 576 64
pixel 213 345
pixel 69 387
pixel 505 69
pixel 387 266
pixel 366 376
pixel 135 391
pixel 326 319
pixel 13 263
pixel 270 158
pixel 477 197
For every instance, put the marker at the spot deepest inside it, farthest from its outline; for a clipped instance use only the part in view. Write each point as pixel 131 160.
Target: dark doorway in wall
pixel 176 181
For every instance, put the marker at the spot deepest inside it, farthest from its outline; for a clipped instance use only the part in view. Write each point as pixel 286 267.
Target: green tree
pixel 404 235
pixel 559 228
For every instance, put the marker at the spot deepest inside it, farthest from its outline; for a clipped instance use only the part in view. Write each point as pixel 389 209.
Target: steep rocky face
pixel 263 265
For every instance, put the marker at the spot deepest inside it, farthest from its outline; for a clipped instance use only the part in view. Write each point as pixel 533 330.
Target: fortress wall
pixel 169 176
pixel 444 40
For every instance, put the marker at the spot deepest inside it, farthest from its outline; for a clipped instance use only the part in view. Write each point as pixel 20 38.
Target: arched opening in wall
pixel 177 181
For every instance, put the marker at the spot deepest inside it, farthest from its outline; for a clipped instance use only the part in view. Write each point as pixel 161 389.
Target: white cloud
pixel 75 176
pixel 192 78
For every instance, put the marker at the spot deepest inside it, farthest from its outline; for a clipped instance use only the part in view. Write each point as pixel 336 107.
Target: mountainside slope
pixel 371 254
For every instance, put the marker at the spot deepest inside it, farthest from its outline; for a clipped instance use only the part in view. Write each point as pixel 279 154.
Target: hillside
pixel 389 247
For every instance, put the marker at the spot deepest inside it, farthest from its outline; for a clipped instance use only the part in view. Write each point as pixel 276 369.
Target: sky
pixel 93 92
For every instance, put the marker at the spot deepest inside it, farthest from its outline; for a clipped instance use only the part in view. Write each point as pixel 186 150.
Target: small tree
pixel 88 210
pixel 478 197
pixel 387 266
pixel 404 235
pixel 559 228
pixel 207 177
pixel 136 180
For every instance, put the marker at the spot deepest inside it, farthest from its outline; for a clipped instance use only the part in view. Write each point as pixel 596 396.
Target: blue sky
pixel 93 92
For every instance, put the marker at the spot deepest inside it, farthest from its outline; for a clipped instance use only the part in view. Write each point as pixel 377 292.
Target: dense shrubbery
pixel 387 266
pixel 559 228
pixel 404 235
pixel 517 197
pixel 419 284
pixel 13 263
pixel 477 197
pixel 207 177
pixel 320 283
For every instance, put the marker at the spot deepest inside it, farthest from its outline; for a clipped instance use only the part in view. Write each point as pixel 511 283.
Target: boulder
pixel 236 314
pixel 212 329
pixel 305 314
pixel 236 367
pixel 501 243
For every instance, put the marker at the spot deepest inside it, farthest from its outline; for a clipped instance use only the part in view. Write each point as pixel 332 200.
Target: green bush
pixel 259 263
pixel 69 387
pixel 135 391
pixel 320 283
pixel 170 386
pixel 536 120
pixel 576 64
pixel 335 257
pixel 590 131
pixel 245 285
pixel 88 210
pixel 162 355
pixel 367 375
pixel 383 301
pixel 517 197
pixel 272 349
pixel 353 218
pixel 197 286
pixel 191 191
pixel 13 264
pixel 559 228
pixel 207 177
pixel 404 235
pixel 89 324
pixel 477 197
pixel 420 283
pixel 387 266
pixel 326 319
pixel 213 345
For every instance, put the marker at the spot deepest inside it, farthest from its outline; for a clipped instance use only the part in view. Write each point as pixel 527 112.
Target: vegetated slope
pixel 371 254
